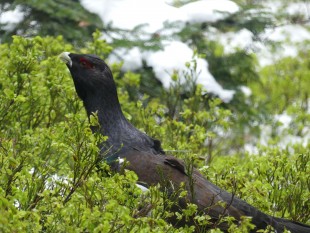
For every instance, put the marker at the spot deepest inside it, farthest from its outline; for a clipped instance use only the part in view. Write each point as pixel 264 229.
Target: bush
pixel 48 156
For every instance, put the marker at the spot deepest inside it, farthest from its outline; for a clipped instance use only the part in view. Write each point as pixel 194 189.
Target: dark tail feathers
pixel 294 227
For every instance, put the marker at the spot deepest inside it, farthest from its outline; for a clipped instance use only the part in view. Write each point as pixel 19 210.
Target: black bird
pixel 94 84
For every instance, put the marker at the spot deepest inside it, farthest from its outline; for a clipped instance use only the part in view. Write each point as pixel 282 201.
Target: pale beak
pixel 65 58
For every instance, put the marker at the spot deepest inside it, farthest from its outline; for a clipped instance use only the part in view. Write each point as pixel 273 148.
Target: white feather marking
pixel 144 189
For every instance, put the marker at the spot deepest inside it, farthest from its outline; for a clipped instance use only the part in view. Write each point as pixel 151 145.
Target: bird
pixel 95 86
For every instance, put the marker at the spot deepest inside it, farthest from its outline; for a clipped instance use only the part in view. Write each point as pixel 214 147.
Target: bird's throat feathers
pixel 107 111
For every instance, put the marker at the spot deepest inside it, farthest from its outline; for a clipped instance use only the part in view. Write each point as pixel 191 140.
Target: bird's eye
pixel 85 63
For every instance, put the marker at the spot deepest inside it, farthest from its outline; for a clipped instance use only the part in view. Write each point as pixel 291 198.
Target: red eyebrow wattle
pixel 82 59
pixel 87 63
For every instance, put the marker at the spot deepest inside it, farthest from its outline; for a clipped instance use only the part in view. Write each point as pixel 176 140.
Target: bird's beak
pixel 65 58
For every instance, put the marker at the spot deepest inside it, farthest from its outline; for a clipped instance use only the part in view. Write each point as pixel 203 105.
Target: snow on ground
pixel 284 119
pixel 52 182
pixel 285 140
pixel 285 137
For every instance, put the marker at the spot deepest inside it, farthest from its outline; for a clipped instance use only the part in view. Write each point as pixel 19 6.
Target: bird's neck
pixel 112 123
pixel 111 119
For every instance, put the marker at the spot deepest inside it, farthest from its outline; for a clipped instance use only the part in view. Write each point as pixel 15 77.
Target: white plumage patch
pixel 120 161
pixel 144 189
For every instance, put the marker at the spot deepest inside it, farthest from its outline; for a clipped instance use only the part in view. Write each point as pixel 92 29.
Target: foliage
pixel 231 70
pixel 277 174
pixel 283 90
pixel 48 156
pixel 51 18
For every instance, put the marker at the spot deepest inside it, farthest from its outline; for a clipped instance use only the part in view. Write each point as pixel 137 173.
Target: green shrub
pixel 48 175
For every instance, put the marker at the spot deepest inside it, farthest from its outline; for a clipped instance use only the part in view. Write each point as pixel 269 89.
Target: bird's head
pixel 90 74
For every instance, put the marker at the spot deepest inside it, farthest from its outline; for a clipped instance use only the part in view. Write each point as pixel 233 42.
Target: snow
pixel 268 57
pixel 289 37
pixel 300 8
pixel 132 58
pixel 284 119
pixel 208 10
pixel 251 149
pixel 173 59
pixel 246 90
pixel 10 18
pixel 292 33
pixel 285 138
pixel 293 8
pixel 128 14
pixel 232 41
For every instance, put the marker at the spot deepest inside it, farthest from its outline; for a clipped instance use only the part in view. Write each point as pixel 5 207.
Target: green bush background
pixel 48 178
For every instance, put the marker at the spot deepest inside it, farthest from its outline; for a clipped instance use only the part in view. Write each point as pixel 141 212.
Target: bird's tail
pixel 294 227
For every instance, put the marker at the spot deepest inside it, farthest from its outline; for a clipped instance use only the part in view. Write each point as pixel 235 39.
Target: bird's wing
pixel 155 169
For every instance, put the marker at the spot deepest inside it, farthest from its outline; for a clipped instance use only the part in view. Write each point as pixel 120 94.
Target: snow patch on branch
pixel 208 10
pixel 11 18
